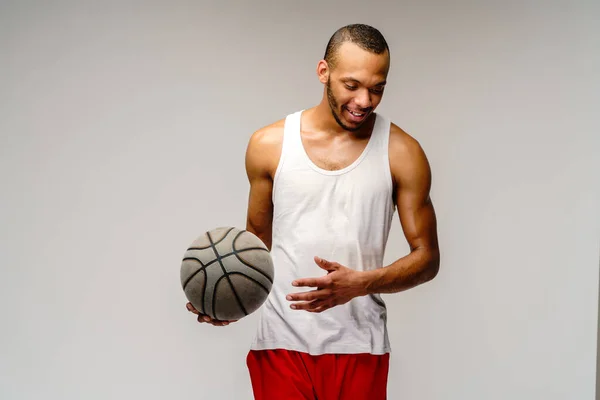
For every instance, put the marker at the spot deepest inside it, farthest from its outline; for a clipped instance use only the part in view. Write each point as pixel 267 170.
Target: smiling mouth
pixel 356 116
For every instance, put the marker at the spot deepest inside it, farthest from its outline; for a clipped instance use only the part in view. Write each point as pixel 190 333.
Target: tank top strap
pixel 381 133
pixel 290 142
pixel 380 152
pixel 291 130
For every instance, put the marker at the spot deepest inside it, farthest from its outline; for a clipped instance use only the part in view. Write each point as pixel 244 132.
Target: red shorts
pixel 291 375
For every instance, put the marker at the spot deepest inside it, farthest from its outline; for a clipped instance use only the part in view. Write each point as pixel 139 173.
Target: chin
pixel 353 124
pixel 344 123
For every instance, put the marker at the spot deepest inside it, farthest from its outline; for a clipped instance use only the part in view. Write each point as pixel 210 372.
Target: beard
pixel 336 110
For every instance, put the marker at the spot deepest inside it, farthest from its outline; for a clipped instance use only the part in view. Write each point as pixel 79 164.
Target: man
pixel 324 185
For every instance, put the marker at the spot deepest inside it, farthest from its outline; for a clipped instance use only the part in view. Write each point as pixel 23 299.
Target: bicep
pixel 260 206
pixel 415 207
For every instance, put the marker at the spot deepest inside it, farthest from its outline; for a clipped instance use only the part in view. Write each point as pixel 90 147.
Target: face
pixel 355 86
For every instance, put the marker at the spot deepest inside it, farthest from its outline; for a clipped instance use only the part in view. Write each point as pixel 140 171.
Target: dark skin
pixel 334 133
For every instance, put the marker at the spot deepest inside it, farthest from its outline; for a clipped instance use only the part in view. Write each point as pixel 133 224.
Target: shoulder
pixel 268 136
pixel 403 144
pixel 264 147
pixel 408 161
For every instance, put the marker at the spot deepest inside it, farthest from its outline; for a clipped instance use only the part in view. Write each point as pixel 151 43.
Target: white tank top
pixel 343 216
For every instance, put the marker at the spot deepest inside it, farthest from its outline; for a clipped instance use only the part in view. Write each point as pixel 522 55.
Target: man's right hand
pixel 206 318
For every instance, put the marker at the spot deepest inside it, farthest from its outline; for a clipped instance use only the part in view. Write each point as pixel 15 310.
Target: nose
pixel 363 99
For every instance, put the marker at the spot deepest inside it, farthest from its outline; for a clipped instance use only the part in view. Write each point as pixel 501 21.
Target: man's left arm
pixel 412 181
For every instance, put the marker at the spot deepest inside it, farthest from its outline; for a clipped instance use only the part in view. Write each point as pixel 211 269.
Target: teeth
pixel 356 114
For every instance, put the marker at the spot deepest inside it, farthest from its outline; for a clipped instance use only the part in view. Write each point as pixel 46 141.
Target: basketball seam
pixel 205 266
pixel 253 267
pixel 210 245
pixel 251 278
pixel 203 295
pixel 226 275
pixel 187 281
pixel 235 252
pixel 214 296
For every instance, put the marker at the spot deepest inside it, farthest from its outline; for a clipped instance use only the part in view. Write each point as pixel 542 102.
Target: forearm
pixel 261 228
pixel 418 267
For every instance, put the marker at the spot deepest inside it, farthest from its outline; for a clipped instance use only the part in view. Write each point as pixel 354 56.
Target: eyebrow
pixel 348 79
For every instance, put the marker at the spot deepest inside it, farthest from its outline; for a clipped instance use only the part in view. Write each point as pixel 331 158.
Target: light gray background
pixel 114 113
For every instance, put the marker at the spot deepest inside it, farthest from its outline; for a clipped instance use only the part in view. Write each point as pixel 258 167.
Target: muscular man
pixel 324 185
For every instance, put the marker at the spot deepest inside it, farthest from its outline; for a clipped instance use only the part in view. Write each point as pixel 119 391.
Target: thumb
pixel 326 265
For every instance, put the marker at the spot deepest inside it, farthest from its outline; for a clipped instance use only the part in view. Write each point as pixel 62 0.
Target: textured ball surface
pixel 227 273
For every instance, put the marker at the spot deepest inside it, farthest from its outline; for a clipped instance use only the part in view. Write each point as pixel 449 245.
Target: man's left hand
pixel 340 285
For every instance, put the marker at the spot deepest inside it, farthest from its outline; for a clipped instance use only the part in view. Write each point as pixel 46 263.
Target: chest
pixel 333 153
pixel 356 192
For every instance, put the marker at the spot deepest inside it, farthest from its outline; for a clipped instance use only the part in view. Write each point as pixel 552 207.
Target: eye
pixel 350 87
pixel 377 90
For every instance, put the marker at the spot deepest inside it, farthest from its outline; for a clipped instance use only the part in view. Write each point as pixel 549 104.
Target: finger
pixel 319 309
pixel 303 305
pixel 311 306
pixel 309 296
pixel 312 282
pixel 217 322
pixel 191 308
pixel 204 318
pixel 207 319
pixel 316 306
pixel 325 264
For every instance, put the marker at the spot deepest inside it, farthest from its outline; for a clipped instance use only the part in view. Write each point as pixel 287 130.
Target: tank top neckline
pixel 348 168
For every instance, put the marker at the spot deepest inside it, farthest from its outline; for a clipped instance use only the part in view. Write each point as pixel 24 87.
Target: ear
pixel 323 71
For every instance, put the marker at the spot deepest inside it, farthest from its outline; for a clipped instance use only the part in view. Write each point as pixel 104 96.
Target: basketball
pixel 227 273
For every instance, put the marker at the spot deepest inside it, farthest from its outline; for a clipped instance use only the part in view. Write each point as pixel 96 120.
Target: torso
pixel 339 207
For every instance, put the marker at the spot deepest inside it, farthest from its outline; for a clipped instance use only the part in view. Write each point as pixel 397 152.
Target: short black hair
pixel 365 36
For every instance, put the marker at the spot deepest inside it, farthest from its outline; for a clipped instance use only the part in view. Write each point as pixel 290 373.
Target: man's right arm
pixel 262 157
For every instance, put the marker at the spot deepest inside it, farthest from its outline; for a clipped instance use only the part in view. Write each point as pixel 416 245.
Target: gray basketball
pixel 227 273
